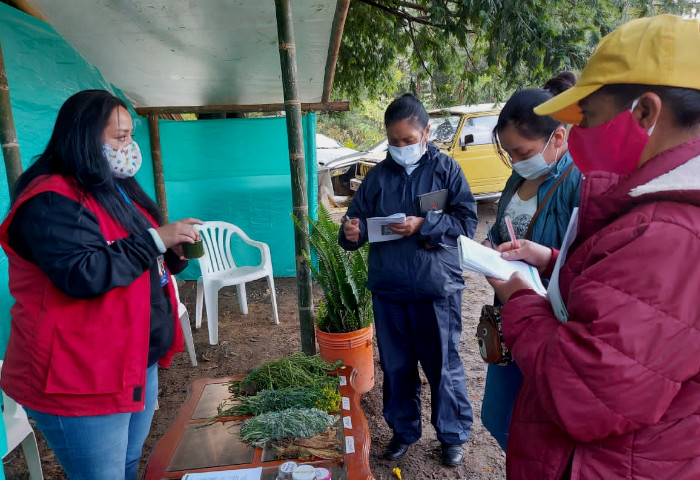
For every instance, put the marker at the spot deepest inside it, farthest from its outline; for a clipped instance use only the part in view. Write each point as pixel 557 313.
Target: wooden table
pixel 187 447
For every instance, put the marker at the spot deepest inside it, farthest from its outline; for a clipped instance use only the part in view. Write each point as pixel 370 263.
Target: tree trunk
pixel 8 135
pixel 297 163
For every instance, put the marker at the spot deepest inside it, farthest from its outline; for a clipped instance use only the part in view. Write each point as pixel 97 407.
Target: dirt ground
pixel 245 341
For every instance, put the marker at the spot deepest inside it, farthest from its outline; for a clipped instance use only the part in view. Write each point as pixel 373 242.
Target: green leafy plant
pixel 347 304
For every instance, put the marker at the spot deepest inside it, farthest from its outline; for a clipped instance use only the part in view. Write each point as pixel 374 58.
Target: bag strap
pixel 544 200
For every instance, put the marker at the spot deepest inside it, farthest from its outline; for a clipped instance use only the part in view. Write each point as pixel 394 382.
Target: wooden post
pixel 297 163
pixel 157 158
pixel 8 135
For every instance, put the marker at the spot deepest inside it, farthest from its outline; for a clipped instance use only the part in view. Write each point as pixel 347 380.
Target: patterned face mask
pixel 123 162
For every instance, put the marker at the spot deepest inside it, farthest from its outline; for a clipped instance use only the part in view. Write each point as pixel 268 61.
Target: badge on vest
pixel 163 271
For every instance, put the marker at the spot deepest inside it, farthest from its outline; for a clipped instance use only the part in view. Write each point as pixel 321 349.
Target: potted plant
pixel 344 316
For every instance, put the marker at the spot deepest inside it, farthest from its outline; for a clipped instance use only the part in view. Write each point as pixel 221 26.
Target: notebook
pixel 435 201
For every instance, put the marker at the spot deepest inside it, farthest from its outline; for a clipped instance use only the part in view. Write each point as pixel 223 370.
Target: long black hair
pixel 75 150
pixel 406 106
pixel 519 111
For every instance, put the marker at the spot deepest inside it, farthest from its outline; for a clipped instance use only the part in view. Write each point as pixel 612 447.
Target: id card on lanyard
pixel 163 271
pixel 553 292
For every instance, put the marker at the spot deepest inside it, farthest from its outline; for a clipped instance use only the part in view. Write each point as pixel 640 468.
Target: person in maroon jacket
pixel 95 310
pixel 611 358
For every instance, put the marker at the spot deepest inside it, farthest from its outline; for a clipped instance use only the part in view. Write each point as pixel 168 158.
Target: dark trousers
pixel 427 332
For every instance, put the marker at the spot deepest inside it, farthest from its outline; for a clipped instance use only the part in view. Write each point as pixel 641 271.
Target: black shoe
pixel 452 455
pixel 395 450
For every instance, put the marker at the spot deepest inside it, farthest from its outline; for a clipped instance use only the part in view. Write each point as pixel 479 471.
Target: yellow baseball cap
pixel 661 50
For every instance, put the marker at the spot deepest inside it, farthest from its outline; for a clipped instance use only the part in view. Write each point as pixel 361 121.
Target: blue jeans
pixel 502 385
pixel 101 447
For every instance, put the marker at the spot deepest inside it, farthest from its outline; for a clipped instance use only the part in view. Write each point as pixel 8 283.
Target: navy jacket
pixel 550 225
pixel 415 267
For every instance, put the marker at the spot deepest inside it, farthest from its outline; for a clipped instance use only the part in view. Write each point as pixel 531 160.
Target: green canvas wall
pixel 237 170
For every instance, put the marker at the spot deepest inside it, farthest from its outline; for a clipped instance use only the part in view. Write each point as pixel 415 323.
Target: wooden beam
pixel 263 107
pixel 341 13
pixel 158 178
pixel 29 9
pixel 297 164
pixel 8 134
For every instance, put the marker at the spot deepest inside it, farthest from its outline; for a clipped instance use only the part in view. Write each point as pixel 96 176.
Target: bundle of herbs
pixel 296 370
pixel 324 397
pixel 293 422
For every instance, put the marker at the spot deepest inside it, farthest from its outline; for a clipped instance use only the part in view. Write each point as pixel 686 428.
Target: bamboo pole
pixel 8 135
pixel 157 158
pixel 297 163
pixel 261 107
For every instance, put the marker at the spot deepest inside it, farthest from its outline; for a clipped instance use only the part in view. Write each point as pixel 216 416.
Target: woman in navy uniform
pixel 416 284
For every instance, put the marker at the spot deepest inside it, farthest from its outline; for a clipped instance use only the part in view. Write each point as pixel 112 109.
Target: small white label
pixel 343 380
pixel 349 444
pixel 346 403
pixel 347 423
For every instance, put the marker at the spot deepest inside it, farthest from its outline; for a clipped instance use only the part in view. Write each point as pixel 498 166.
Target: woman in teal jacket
pixel 539 198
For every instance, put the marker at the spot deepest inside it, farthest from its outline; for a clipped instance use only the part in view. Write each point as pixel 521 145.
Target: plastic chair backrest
pixel 217 246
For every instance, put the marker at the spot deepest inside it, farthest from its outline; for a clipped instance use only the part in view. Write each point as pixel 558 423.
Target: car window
pixel 481 128
pixel 443 128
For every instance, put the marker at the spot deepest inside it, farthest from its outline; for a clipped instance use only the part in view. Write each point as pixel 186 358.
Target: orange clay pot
pixel 355 350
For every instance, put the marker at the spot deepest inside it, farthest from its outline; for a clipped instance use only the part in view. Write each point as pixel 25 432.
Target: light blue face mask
pixel 407 156
pixel 536 166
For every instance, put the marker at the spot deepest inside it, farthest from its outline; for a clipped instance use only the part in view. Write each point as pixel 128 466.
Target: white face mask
pixel 536 166
pixel 634 104
pixel 123 162
pixel 409 155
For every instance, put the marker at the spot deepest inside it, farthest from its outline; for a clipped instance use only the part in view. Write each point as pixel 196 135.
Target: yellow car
pixel 465 134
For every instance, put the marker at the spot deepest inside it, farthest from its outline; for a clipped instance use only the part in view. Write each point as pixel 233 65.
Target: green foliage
pixel 293 422
pixel 295 370
pixel 324 398
pixel 347 304
pixel 471 51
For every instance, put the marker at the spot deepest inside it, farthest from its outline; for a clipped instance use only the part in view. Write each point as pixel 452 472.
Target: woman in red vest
pixel 95 311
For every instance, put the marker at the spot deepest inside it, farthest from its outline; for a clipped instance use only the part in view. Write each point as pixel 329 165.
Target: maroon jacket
pixel 616 390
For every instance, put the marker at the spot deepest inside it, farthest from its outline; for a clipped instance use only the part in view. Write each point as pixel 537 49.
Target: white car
pixel 335 165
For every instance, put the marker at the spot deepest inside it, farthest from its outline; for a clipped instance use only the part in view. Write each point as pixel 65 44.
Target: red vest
pixel 77 357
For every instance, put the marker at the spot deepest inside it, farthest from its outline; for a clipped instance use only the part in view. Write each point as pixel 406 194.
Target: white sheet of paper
pixel 553 292
pixel 378 230
pixel 244 474
pixel 488 262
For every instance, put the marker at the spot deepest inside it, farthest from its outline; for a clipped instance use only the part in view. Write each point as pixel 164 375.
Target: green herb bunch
pixel 347 305
pixel 324 398
pixel 295 370
pixel 293 422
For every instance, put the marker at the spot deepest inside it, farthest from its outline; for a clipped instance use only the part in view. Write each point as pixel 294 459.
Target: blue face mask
pixel 537 166
pixel 407 156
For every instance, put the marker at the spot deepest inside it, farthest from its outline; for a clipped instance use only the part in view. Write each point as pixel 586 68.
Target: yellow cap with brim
pixel 660 50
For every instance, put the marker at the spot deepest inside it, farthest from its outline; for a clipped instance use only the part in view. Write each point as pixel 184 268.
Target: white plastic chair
pixel 219 270
pixel 19 431
pixel 184 317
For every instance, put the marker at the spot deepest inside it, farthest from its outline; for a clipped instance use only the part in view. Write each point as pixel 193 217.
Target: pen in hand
pixel 511 231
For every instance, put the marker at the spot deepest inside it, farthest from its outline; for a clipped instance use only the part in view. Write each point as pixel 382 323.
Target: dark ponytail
pixel 560 82
pixel 519 111
pixel 75 150
pixel 406 106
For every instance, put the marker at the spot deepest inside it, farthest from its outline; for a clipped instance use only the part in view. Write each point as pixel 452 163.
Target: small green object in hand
pixel 193 250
